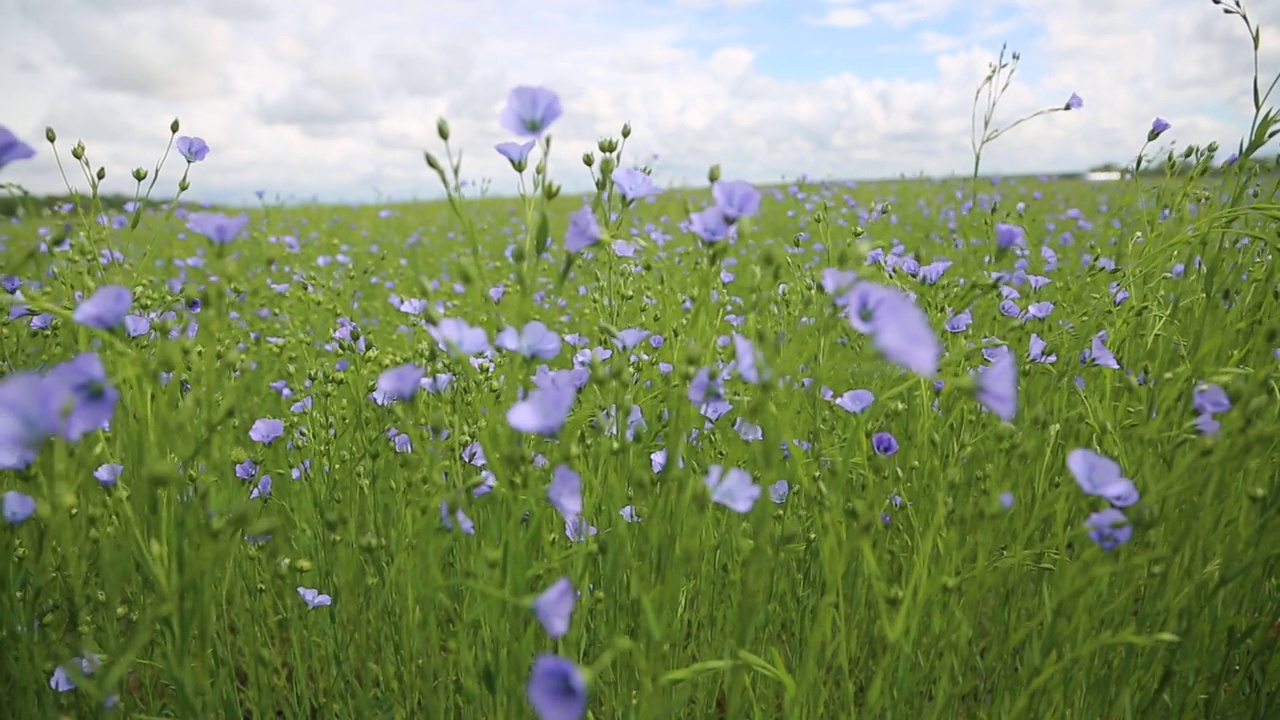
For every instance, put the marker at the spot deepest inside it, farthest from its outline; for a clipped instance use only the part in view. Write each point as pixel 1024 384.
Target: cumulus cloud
pixel 337 97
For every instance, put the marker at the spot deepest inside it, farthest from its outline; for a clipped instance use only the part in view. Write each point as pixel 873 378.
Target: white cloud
pixel 339 97
pixel 843 17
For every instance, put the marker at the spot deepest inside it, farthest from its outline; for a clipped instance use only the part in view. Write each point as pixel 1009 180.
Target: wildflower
pixel 855 401
pixel 83 395
pixel 108 473
pixel 399 383
pixel 530 110
pixel 557 689
pixel 266 430
pixel 565 492
pixel 1009 236
pixel 61 680
pixel 633 184
pixel 1006 500
pixel 735 199
pixel 997 387
pixel 1101 476
pixel 733 489
pixel 516 153
pixel 1036 352
pixel 884 444
pixel 543 412
pixel 709 225
pixel 779 491
pixel 105 308
pixel 535 339
pixel 1158 128
pixel 457 336
pixel 898 327
pixel 584 231
pixel 17 507
pixel 219 228
pixel 313 598
pixel 28 415
pixel 1109 528
pixel 192 149
pixel 12 149
pixel 1210 398
pixel 554 607
pixel 1074 102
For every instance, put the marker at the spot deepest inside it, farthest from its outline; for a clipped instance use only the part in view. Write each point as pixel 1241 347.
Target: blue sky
pixel 335 98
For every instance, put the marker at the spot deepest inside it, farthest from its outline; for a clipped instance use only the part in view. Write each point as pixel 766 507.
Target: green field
pixel 893 450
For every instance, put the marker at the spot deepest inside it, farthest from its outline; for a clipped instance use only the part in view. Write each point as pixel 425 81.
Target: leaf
pixel 695 670
pixel 542 238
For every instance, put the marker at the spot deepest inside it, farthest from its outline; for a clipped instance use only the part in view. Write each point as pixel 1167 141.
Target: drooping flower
pixel 1075 102
pixel 314 598
pixel 1158 128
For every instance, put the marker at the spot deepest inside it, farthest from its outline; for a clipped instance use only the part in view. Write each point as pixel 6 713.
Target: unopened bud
pixel 442 129
pixel 140 174
pixel 588 159
pixel 432 162
pixel 50 135
pixel 101 174
pixel 183 185
pixel 77 151
pixel 550 190
pixel 626 130
pixel 173 126
pixel 713 175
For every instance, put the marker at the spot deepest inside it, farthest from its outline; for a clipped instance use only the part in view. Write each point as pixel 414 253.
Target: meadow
pixel 928 449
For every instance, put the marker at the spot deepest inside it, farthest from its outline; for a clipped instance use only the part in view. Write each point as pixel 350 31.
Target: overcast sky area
pixel 337 99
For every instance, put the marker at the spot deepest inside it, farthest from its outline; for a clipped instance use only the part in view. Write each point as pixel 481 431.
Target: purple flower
pixel 1109 528
pixel 709 225
pixel 107 474
pixel 1009 236
pixel 735 199
pixel 313 598
pixel 997 387
pixel 516 153
pixel 554 607
pixel 584 230
pixel 28 415
pixel 399 383
pixel 633 184
pixel 748 359
pixel 193 149
pixel 535 339
pixel 1158 127
pixel 457 336
pixel 855 401
pixel 61 680
pixel 1101 476
pixel 557 690
pixel 1099 354
pixel 899 328
pixel 219 228
pixel 530 110
pixel 733 489
pixel 778 491
pixel 18 507
pixel 81 390
pixel 884 444
pixel 266 430
pixel 1006 500
pixel 1211 399
pixel 1074 102
pixel 13 149
pixel 544 411
pixel 105 308
pixel 1036 352
pixel 565 492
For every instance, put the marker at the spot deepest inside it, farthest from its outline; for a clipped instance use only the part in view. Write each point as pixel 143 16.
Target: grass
pixel 895 585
